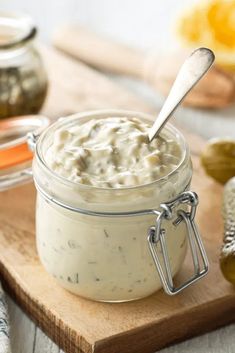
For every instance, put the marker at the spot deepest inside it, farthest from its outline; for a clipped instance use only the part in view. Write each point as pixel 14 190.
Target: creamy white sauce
pixel 112 152
pixel 100 258
pixel 103 259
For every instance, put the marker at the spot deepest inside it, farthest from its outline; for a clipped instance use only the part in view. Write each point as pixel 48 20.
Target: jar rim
pixel 17 23
pixel 102 113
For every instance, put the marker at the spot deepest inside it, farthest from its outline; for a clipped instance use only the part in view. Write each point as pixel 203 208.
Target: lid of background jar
pixel 15 153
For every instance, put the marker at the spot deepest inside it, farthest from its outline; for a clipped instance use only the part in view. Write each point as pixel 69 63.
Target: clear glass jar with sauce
pixel 23 80
pixel 116 244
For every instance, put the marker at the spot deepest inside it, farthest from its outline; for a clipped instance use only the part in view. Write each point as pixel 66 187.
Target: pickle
pixel 22 91
pixel 227 258
pixel 218 159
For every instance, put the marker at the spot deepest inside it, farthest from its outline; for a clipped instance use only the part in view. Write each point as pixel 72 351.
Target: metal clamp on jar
pixel 157 235
pixel 106 243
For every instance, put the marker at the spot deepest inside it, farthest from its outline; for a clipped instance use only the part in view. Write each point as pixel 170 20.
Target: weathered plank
pixel 22 329
pixel 43 344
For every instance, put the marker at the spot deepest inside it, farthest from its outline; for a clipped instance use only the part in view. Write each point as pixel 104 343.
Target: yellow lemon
pixel 211 24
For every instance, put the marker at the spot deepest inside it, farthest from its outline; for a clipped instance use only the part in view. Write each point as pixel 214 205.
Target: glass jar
pixel 23 81
pixel 120 244
pixel 15 154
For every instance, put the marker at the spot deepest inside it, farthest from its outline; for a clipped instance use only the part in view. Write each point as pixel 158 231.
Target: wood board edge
pixel 144 339
pixel 66 338
pixel 155 336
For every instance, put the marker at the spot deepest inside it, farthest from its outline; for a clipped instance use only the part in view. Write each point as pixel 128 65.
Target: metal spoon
pixel 192 70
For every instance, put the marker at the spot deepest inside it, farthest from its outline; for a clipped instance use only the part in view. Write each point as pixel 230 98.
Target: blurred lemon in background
pixel 211 24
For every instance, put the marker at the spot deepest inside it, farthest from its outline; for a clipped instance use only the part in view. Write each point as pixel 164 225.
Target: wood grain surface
pixel 215 90
pixel 79 325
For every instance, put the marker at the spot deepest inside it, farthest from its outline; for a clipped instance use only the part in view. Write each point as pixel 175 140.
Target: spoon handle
pixel 192 70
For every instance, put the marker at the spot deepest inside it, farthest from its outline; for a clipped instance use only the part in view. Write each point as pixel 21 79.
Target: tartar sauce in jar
pixel 88 169
pixel 112 152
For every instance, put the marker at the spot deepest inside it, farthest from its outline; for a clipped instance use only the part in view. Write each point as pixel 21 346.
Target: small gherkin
pixel 218 159
pixel 227 258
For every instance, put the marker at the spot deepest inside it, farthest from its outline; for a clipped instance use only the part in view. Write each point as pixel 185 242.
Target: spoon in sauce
pixel 192 70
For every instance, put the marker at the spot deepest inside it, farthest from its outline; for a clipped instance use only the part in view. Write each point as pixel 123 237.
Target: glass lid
pixel 16 29
pixel 15 154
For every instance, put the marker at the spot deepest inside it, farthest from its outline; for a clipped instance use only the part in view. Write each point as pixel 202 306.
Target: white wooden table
pixel 141 23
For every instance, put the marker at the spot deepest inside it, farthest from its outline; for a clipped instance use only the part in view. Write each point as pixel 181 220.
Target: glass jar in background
pixel 105 244
pixel 23 80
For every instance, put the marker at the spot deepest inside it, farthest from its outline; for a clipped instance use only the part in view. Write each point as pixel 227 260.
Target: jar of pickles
pixel 23 80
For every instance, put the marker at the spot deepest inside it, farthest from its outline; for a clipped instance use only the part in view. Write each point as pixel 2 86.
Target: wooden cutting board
pixel 80 325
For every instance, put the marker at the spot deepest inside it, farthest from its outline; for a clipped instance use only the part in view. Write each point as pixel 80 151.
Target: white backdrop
pixel 143 23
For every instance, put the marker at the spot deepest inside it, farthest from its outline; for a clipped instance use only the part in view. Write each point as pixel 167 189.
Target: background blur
pixel 140 23
pixel 143 23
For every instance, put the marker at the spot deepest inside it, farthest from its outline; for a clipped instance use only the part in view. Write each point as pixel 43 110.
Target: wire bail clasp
pixel 157 234
pixel 32 138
